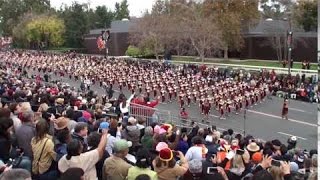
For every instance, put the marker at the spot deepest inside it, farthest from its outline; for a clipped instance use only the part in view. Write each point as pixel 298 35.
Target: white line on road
pixel 292 135
pixel 213 115
pixel 294 109
pixel 278 117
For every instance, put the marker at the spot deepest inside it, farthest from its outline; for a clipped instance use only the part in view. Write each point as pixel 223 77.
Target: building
pixel 256 41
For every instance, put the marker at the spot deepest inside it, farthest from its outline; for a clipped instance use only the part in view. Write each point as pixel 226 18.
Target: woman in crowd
pixel 43 164
pixel 143 165
pixel 86 161
pixel 166 167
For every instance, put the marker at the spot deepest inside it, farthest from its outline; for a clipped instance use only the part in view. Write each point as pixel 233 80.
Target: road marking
pixel 294 109
pixel 278 117
pixel 292 135
pixel 214 115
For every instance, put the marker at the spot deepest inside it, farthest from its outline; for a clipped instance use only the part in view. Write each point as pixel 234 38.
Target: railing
pixel 150 114
pixel 162 116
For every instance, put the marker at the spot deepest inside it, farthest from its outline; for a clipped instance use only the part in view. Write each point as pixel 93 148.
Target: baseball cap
pixel 121 145
pixel 195 166
pixel 104 125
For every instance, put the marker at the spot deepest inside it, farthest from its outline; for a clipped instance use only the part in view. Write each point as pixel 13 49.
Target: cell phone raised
pixel 240 151
pixel 212 170
pixel 275 163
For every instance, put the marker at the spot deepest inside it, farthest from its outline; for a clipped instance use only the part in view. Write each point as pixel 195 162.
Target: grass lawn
pixel 250 62
pixel 63 49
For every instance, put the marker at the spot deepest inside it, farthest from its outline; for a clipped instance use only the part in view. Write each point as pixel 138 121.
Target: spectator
pixel 124 105
pixel 44 156
pixel 166 167
pixel 197 151
pixel 183 145
pixel 16 174
pixel 93 143
pixel 15 110
pixel 86 161
pixel 116 167
pixel 80 132
pixel 211 145
pixel 142 166
pixel 6 125
pixel 147 139
pixel 63 137
pixel 73 173
pixel 111 139
pixel 26 132
pixel 143 177
pixel 132 133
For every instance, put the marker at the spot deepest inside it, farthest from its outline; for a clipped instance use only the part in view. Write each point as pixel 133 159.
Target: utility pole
pixel 244 121
pixel 289 41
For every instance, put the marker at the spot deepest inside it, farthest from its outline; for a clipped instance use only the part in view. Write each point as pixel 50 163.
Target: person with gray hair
pixel 26 132
pixel 16 174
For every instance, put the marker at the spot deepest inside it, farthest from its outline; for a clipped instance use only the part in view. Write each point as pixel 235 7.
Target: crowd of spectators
pixel 54 131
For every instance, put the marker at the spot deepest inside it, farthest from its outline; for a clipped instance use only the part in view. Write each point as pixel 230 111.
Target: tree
pixel 232 16
pixel 38 30
pixel 306 14
pixel 12 10
pixel 46 29
pixel 122 10
pixel 278 13
pixel 104 17
pixel 198 28
pixel 77 23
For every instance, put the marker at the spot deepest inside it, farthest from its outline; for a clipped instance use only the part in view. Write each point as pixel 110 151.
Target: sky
pixel 136 7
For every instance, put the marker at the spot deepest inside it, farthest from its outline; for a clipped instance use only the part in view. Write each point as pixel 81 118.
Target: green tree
pixel 104 17
pixel 306 14
pixel 38 30
pixel 12 10
pixel 122 10
pixel 46 29
pixel 77 23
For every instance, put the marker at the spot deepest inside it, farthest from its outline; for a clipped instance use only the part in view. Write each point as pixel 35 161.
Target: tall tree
pixel 104 17
pixel 232 17
pixel 76 20
pixel 306 14
pixel 122 10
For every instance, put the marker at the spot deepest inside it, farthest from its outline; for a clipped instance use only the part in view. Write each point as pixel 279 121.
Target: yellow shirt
pixel 48 155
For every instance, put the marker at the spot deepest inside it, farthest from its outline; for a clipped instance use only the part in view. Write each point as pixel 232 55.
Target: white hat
pixel 209 138
pixel 132 120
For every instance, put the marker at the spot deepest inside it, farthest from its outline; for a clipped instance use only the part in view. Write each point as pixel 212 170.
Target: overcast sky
pixel 136 7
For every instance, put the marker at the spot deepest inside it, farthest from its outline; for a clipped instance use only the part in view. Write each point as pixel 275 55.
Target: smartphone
pixel 100 131
pixel 240 152
pixel 275 163
pixel 212 170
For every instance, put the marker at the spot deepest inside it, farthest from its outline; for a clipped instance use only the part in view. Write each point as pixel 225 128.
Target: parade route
pixel 262 121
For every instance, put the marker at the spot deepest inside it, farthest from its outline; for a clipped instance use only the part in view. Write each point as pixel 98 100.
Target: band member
pixel 181 100
pixel 189 98
pixel 195 96
pixel 163 95
pixel 221 109
pixel 170 94
pixel 206 108
pixel 285 109
pixel 228 107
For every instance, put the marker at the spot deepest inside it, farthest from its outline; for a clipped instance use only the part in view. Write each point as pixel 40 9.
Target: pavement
pixel 262 121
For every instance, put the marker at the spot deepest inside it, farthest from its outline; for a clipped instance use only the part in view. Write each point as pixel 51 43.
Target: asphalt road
pixel 262 121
